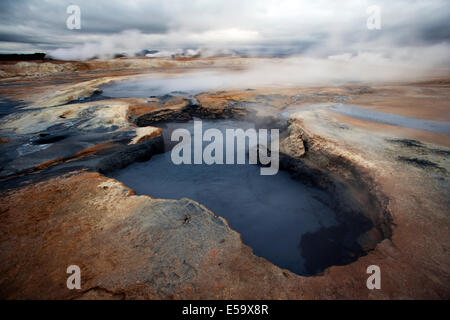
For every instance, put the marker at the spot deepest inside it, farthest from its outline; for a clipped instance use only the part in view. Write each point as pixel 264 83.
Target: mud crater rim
pixel 359 231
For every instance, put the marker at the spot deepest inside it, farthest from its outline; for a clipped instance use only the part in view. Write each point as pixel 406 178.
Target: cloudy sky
pixel 320 27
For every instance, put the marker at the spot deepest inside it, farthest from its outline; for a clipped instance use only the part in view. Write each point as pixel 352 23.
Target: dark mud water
pixel 8 106
pixel 272 213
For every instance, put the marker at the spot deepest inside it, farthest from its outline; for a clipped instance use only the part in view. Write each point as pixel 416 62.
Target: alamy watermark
pixel 74 280
pixel 74 19
pixel 374 281
pixel 213 153
pixel 374 19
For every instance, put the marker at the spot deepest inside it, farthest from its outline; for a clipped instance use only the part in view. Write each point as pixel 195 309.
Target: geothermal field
pixel 142 159
pixel 87 179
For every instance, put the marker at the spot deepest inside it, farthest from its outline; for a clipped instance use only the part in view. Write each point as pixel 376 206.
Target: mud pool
pixel 272 213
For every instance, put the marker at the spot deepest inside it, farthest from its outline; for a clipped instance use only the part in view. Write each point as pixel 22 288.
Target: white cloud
pixel 315 28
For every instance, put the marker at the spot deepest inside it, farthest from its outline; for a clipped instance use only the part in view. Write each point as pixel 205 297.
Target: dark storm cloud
pixel 44 22
pixel 291 26
pixel 98 16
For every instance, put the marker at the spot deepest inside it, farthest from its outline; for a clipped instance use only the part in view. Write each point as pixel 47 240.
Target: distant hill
pixel 22 57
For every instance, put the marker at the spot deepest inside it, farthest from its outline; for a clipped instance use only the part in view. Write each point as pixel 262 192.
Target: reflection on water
pixel 187 84
pixel 392 119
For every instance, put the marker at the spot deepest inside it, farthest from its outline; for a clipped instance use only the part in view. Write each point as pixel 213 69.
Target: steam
pixel 410 64
pixel 128 42
pixel 319 28
pixel 322 40
pixel 365 67
pixel 361 67
pixel 379 63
